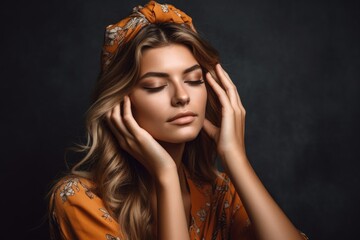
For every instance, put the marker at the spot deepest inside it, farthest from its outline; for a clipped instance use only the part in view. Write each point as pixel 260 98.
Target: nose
pixel 180 96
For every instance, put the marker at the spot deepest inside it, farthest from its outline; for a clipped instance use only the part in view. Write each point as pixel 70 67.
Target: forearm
pixel 268 219
pixel 170 208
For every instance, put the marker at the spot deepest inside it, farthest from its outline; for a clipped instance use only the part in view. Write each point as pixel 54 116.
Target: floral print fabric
pixel 80 214
pixel 121 32
pixel 216 212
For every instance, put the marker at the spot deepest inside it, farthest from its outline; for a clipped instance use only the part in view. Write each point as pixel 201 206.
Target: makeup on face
pixel 169 100
pixel 155 81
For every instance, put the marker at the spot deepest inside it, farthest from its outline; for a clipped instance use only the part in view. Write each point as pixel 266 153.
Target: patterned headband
pixel 119 33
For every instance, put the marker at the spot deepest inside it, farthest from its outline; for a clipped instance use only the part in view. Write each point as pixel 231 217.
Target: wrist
pixel 233 157
pixel 166 176
pixel 235 152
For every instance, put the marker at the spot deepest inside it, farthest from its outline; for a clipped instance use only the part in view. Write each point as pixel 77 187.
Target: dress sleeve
pixel 80 214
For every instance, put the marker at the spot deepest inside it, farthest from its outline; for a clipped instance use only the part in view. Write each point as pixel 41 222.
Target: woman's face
pixel 171 83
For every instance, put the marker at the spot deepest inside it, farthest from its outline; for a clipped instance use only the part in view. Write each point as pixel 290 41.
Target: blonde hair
pixel 121 181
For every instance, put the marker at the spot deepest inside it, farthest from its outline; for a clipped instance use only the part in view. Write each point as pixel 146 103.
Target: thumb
pixel 210 129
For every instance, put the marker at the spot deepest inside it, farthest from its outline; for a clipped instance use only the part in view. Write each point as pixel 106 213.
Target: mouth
pixel 183 118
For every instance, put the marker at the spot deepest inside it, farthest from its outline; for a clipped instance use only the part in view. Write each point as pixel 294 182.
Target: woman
pixel 163 109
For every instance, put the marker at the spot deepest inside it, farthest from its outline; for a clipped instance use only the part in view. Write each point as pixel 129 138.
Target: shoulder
pixel 78 212
pixel 72 188
pixel 71 193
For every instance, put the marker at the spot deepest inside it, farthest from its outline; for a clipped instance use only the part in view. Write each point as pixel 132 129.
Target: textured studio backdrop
pixel 296 65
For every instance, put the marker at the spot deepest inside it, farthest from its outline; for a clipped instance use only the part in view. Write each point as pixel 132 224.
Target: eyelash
pixel 192 83
pixel 196 82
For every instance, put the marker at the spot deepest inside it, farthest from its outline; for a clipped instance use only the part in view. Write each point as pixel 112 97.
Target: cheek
pixel 200 99
pixel 143 110
pixel 204 97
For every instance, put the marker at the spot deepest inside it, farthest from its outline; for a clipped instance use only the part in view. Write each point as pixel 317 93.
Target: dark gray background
pixel 296 65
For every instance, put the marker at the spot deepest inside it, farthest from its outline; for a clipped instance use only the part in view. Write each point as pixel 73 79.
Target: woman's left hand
pixel 260 206
pixel 230 135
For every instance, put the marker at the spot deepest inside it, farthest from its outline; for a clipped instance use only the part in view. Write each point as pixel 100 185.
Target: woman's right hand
pixel 170 219
pixel 137 141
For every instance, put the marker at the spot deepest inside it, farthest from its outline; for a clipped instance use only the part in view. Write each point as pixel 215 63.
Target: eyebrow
pixel 165 75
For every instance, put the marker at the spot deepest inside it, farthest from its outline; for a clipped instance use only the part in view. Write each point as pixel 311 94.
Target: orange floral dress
pixel 216 212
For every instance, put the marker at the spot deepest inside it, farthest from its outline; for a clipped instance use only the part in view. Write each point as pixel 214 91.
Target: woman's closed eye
pixel 154 89
pixel 195 82
pixel 159 88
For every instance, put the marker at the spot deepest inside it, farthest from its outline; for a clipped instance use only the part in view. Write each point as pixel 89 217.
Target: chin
pixel 179 136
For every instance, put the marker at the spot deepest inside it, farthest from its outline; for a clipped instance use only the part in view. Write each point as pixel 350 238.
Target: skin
pixel 168 86
pixel 148 137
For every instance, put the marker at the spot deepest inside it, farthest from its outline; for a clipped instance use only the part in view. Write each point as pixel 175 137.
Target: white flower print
pixel 226 204
pixel 134 22
pixel 70 186
pixel 105 215
pixel 137 8
pixel 202 214
pixel 194 226
pixel 111 237
pixel 164 8
pixel 112 34
pixel 68 189
pixel 177 13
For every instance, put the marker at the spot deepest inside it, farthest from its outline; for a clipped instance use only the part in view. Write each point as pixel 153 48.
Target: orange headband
pixel 119 33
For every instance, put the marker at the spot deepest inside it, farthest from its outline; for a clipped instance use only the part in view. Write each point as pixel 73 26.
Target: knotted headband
pixel 119 33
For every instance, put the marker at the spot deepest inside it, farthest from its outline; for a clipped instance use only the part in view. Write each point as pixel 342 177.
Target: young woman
pixel 163 109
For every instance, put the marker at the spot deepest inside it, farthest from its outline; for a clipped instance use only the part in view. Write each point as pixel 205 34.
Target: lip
pixel 183 117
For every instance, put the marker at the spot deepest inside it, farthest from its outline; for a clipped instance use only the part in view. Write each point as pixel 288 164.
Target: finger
pixel 114 130
pixel 229 86
pixel 239 110
pixel 118 121
pixel 211 129
pixel 129 120
pixel 231 90
pixel 238 98
pixel 235 98
pixel 219 91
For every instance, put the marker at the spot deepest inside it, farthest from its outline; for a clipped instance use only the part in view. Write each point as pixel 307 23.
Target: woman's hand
pixel 230 136
pixel 137 141
pixel 169 213
pixel 269 221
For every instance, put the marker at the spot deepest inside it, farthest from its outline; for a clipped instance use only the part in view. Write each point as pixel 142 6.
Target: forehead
pixel 172 58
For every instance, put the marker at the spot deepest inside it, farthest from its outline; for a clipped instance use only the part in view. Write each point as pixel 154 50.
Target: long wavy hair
pixel 120 180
